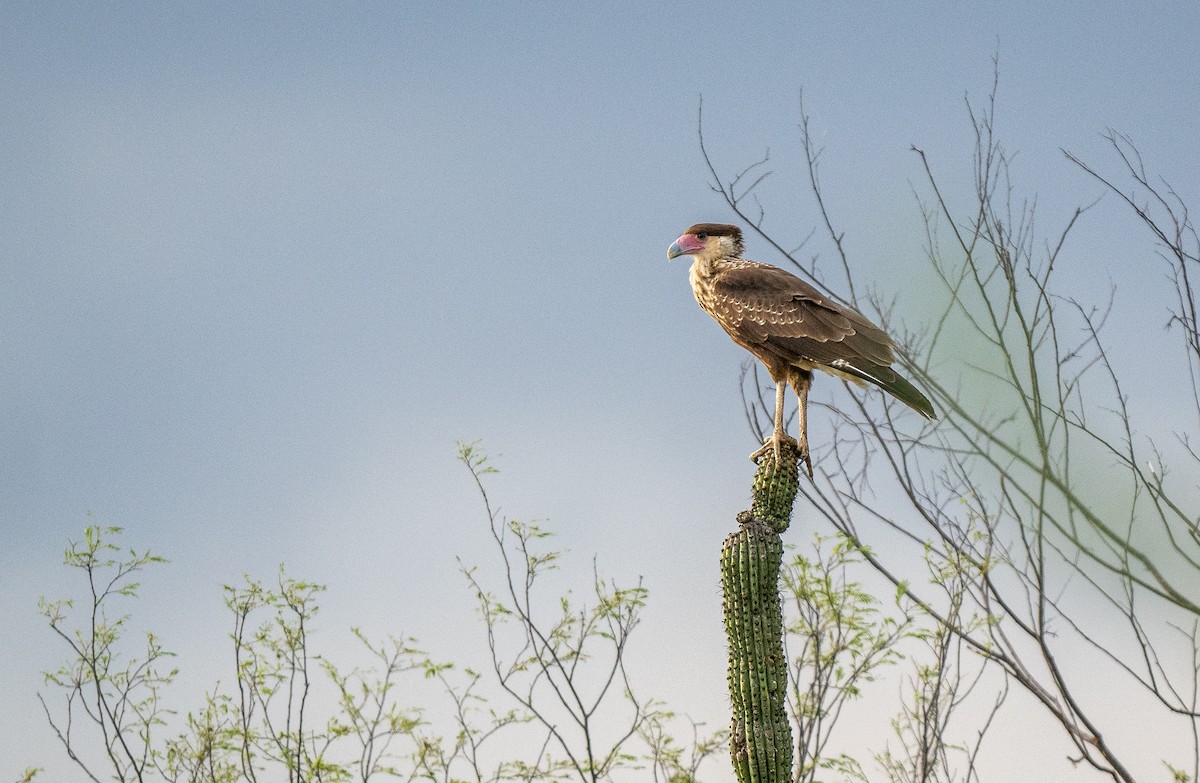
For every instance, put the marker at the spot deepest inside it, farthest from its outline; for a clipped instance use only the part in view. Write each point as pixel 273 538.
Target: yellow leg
pixel 778 435
pixel 801 382
pixel 775 442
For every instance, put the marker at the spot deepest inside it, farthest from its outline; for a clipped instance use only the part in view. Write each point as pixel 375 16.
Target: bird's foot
pixel 774 445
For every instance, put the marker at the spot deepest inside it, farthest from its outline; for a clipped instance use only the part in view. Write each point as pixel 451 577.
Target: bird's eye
pixel 702 236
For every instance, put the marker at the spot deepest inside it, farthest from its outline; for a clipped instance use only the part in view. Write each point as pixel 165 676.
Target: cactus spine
pixel 760 736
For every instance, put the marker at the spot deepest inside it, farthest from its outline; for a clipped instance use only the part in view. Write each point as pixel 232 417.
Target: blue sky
pixel 261 265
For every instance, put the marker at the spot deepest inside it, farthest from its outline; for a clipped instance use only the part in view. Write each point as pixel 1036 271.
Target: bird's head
pixel 708 242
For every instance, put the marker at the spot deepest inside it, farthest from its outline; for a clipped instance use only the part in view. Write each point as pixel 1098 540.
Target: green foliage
pixel 293 714
pixel 671 762
pixel 116 693
pixel 265 727
pixel 115 701
pixel 839 638
pixel 563 661
pixel 269 722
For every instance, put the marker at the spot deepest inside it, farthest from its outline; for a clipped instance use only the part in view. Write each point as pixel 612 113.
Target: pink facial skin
pixel 684 246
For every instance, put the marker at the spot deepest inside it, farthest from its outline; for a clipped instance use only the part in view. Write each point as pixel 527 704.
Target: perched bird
pixel 788 326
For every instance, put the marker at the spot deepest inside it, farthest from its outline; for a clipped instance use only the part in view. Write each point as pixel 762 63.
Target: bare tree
pixel 1034 499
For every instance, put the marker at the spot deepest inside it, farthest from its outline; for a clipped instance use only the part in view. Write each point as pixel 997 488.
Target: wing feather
pixel 773 310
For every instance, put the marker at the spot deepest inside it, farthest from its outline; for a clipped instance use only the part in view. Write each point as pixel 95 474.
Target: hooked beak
pixel 686 245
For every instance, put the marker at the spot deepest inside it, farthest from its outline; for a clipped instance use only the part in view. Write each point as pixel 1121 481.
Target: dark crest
pixel 719 230
pixel 715 230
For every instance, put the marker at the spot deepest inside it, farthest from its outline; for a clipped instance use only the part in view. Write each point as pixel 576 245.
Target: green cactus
pixel 760 736
pixel 775 487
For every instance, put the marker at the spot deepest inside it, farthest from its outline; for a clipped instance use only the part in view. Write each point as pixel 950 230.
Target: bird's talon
pixel 773 445
pixel 806 458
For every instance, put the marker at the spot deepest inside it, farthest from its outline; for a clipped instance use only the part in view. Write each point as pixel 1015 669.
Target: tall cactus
pixel 760 735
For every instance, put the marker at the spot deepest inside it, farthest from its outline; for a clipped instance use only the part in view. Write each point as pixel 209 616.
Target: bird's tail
pixel 891 382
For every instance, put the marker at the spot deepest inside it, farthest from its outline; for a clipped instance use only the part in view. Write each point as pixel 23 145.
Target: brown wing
pixel 765 308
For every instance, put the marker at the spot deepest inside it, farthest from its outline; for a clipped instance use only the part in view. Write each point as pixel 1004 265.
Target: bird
pixel 789 326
